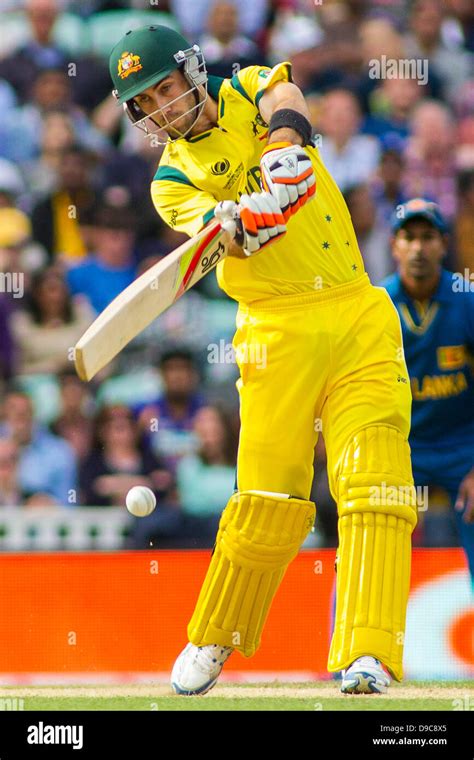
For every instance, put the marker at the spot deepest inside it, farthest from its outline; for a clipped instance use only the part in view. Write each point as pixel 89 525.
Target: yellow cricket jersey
pixel 320 248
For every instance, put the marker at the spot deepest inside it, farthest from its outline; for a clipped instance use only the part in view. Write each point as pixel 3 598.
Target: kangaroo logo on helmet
pixel 128 63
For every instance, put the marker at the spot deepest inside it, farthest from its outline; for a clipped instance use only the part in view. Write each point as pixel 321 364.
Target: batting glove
pixel 287 173
pixel 256 221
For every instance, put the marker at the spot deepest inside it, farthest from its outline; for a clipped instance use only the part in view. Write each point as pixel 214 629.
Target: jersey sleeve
pixel 252 81
pixel 183 206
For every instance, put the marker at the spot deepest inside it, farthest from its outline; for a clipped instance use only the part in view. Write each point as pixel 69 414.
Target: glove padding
pixel 254 222
pixel 287 173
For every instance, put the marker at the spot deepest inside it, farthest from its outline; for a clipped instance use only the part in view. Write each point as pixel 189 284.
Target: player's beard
pixel 181 126
pixel 182 123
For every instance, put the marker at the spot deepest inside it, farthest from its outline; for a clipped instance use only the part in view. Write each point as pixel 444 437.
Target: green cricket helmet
pixel 145 56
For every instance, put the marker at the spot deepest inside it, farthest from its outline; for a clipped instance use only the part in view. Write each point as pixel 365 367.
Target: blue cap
pixel 421 208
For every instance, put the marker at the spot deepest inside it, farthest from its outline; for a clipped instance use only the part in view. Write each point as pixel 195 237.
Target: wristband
pixel 287 117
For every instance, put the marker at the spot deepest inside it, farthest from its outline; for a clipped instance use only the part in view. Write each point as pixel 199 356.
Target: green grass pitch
pixel 273 696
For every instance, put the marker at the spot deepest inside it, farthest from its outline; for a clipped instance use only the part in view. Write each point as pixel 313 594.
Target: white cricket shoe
pixel 366 675
pixel 197 668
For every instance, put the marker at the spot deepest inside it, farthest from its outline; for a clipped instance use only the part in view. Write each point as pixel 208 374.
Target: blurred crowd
pixel 390 85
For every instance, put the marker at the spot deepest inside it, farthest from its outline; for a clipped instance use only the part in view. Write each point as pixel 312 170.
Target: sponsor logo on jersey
pixel 220 167
pixel 253 181
pixel 451 357
pixel 258 124
pixel 128 63
pixel 234 176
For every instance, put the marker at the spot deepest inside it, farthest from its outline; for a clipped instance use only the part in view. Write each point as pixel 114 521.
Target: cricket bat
pixel 148 297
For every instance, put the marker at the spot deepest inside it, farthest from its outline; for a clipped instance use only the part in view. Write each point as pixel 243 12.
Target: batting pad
pixel 377 514
pixel 259 534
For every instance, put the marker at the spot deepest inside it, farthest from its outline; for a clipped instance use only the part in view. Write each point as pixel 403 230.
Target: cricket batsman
pixel 239 151
pixel 437 316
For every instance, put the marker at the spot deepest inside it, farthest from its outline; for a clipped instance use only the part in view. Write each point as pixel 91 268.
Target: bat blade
pixel 148 297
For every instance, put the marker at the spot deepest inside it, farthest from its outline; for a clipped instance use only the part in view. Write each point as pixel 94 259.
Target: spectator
pixel 334 58
pixel 224 49
pixel 76 400
pixel 12 185
pixel 57 218
pixel 379 42
pixel 52 90
pixel 47 463
pixel 294 36
pixel 430 166
pixel 57 138
pixel 11 494
pixel 465 143
pixel 15 230
pixel 460 27
pixel 50 325
pixel 252 16
pixel 7 347
pixel 23 66
pixel 350 157
pixel 205 478
pixel 78 433
pixel 372 235
pixel 169 421
pixel 108 271
pixel 118 461
pixel 391 108
pixel 8 99
pixel 10 491
pixel 425 41
pixel 76 409
pixel 463 100
pixel 386 187
pixel 19 256
pixel 464 224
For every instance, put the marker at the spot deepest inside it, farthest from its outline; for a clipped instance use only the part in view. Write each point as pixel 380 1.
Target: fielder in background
pixel 436 310
pixel 333 349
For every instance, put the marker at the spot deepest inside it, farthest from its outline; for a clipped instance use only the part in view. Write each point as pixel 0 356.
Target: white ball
pixel 140 501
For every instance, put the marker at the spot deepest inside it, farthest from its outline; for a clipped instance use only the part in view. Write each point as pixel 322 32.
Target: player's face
pixel 419 249
pixel 162 96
